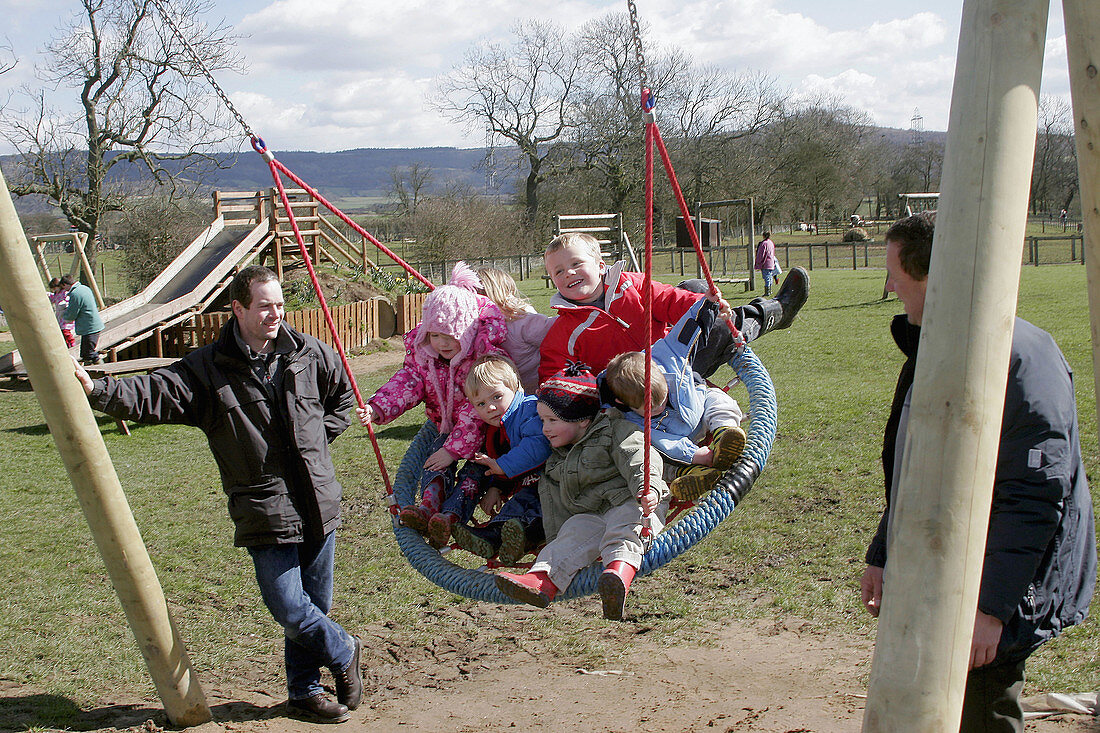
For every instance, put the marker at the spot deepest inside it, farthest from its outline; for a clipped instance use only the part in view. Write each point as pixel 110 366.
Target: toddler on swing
pixel 591 490
pixel 457 327
pixel 684 407
pixel 505 478
pixel 526 327
pixel 601 310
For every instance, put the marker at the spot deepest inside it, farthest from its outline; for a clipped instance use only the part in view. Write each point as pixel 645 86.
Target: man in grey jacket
pixel 270 401
pixel 1039 572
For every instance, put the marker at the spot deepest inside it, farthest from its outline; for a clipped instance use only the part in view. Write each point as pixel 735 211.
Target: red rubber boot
pixel 532 588
pixel 613 585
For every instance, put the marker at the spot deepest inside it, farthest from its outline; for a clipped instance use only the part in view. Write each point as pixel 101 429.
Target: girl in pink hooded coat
pixel 457 327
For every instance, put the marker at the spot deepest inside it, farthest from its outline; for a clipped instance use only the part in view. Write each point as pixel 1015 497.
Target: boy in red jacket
pixel 601 310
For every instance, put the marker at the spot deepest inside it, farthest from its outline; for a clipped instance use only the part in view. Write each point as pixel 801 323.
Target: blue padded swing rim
pixel 689 529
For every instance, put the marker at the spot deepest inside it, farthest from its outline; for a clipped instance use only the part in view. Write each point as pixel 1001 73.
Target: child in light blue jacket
pixel 684 408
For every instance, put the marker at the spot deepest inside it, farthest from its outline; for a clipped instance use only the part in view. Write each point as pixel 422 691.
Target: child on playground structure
pixel 601 310
pixel 504 479
pixel 684 408
pixel 526 327
pixel 59 298
pixel 594 495
pixel 457 327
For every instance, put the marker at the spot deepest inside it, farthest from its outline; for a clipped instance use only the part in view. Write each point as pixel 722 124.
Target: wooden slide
pixel 187 286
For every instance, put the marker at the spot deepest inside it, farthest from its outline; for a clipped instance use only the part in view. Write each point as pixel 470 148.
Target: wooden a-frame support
pixel 80 259
pixel 941 513
pixel 77 436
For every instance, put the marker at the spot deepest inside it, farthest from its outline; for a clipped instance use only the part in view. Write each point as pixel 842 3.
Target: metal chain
pixel 637 29
pixel 202 67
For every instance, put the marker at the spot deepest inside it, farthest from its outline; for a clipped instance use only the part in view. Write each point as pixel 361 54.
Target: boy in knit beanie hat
pixel 594 495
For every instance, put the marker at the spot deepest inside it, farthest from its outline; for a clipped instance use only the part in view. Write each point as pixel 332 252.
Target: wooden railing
pixel 356 324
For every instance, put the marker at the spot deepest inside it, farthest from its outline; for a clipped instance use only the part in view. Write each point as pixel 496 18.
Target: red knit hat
pixel 572 393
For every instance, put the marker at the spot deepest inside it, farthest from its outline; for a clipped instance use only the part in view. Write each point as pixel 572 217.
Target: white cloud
pixel 339 74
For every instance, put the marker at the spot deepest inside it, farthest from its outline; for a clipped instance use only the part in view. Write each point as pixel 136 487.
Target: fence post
pixel 854 261
pixel 810 247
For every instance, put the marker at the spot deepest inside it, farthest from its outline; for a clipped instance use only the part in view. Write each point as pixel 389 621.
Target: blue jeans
pixel 770 276
pixel 296 584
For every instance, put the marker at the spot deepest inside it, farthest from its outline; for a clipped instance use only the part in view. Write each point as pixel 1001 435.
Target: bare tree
pixel 710 110
pixel 154 231
pixel 809 159
pixel 460 223
pixel 523 93
pixel 144 110
pixel 608 136
pixel 408 185
pixel 7 57
pixel 1054 175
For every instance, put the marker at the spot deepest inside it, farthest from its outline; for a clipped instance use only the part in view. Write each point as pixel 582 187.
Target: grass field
pixel 794 547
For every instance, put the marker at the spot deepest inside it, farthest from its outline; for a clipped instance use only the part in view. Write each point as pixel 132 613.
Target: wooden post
pixel 40 255
pixel 84 454
pixel 941 513
pixel 79 241
pixel 751 264
pixel 1083 44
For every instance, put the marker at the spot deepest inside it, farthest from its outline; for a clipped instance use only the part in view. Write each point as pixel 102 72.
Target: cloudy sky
pixel 340 74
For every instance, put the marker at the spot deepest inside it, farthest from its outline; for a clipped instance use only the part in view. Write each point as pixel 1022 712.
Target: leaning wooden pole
pixel 1083 45
pixel 940 516
pixel 77 436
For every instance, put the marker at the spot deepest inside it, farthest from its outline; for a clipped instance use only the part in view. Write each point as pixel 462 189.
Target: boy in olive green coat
pixel 592 495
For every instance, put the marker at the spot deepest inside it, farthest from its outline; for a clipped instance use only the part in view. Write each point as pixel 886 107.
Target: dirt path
pixel 483 675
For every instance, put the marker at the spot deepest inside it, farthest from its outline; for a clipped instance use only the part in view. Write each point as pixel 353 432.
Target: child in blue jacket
pixel 503 478
pixel 685 409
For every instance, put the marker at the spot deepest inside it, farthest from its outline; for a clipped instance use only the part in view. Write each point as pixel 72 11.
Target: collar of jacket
pixel 513 407
pixel 906 335
pixel 228 352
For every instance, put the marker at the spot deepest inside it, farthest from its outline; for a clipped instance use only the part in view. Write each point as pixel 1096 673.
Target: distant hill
pixel 364 172
pixel 360 172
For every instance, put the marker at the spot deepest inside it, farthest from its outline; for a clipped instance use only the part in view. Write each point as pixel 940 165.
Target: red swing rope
pixel 276 167
pixel 653 137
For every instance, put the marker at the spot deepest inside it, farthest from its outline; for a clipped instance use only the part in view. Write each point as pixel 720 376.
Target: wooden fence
pixel 356 324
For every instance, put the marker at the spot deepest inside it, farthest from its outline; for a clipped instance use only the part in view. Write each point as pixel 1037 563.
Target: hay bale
pixel 856 234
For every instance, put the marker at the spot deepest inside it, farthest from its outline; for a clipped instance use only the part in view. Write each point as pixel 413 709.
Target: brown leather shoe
pixel 317 709
pixel 349 682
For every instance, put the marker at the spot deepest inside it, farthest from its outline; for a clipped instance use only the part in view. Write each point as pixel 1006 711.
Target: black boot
pixel 779 312
pixel 349 681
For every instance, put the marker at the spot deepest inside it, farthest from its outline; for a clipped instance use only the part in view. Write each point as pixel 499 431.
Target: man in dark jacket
pixel 1040 556
pixel 270 401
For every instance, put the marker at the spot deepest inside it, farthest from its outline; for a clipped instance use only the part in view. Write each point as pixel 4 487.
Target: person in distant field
pixel 270 401
pixel 1039 572
pixel 84 313
pixel 767 263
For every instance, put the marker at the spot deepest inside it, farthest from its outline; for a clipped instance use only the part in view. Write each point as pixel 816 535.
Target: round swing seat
pixel 681 535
